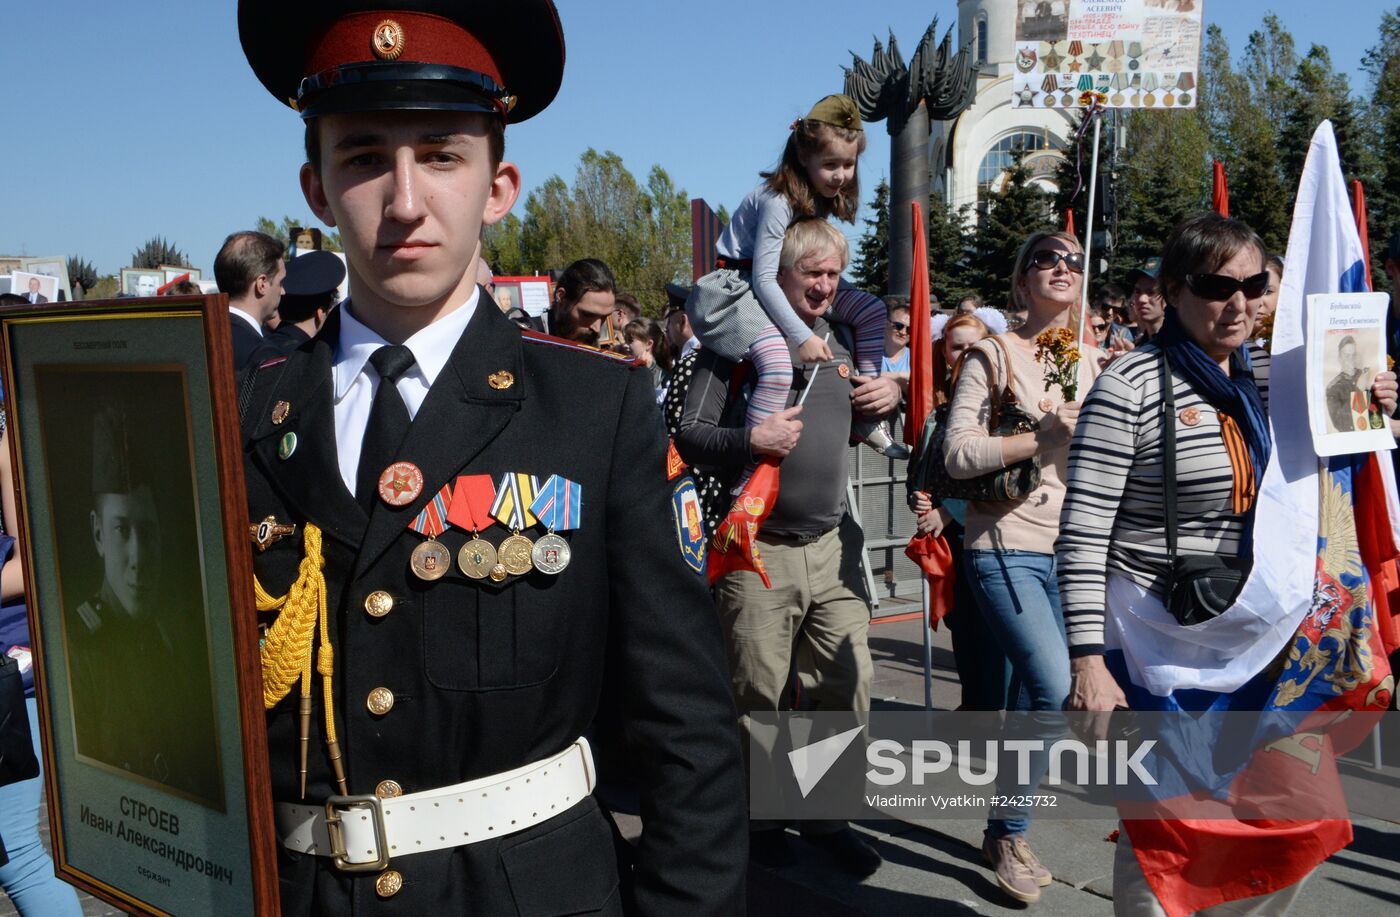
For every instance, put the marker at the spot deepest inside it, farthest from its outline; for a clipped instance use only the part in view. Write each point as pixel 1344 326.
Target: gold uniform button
pixel 388 789
pixel 378 604
pixel 388 883
pixel 380 701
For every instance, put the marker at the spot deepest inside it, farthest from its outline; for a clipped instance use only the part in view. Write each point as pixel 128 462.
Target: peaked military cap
pixel 330 56
pixel 313 273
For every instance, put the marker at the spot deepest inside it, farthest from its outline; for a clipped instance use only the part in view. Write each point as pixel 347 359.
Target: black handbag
pixel 17 760
pixel 1199 586
pixel 1014 482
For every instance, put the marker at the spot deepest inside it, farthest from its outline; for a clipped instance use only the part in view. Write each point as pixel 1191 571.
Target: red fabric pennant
pixel 935 559
pixel 734 545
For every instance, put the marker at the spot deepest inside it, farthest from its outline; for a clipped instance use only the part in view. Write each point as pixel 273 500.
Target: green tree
pixel 1243 111
pixel 284 231
pixel 502 248
pixel 1270 59
pixel 1072 176
pixel 871 266
pixel 1382 64
pixel 81 273
pixel 947 250
pixel 1317 93
pixel 642 232
pixel 158 251
pixel 1164 177
pixel 1021 208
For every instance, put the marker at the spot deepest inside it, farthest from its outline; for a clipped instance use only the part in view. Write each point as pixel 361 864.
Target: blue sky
pixel 141 117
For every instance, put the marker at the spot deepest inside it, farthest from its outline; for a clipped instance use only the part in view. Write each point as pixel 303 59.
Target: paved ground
pixel 936 868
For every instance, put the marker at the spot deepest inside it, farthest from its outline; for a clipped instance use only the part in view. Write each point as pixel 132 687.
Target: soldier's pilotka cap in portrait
pixel 117 466
pixel 326 57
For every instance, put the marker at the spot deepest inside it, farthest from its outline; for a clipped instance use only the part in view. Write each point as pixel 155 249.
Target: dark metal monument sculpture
pixel 939 84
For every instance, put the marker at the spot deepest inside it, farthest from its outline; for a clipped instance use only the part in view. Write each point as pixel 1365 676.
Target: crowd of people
pixel 1050 497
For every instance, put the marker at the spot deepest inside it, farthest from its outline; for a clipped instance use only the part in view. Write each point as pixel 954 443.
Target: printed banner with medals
pixel 1130 53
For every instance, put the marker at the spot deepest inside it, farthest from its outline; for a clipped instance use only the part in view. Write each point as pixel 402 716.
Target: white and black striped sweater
pixel 1112 520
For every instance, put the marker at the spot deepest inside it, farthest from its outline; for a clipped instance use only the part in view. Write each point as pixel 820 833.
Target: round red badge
pixel 1046 405
pixel 1191 416
pixel 400 484
pixel 843 371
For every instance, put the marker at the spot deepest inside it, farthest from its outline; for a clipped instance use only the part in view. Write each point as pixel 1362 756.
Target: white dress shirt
pixel 356 381
pixel 252 322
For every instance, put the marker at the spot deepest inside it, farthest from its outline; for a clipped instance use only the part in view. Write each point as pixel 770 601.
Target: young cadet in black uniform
pixel 456 664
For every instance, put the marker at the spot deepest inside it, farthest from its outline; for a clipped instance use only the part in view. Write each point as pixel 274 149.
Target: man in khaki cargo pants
pixel 815 619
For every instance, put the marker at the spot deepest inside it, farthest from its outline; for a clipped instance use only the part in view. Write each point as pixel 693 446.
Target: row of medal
pixel 1142 90
pixel 474 503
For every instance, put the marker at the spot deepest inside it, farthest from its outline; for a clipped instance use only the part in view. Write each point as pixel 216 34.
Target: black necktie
pixel 388 422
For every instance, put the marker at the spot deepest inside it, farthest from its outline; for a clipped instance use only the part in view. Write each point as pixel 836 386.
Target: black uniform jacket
pixel 488 677
pixel 245 341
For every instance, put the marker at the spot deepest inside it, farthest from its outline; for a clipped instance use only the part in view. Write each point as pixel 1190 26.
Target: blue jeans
pixel 29 878
pixel 1018 594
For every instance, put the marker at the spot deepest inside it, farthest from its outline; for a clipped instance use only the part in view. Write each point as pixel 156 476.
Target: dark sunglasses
pixel 899 326
pixel 1220 288
pixel 1099 326
pixel 1046 259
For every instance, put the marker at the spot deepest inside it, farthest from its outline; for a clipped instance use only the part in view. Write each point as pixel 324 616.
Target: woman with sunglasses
pixel 1011 545
pixel 1114 558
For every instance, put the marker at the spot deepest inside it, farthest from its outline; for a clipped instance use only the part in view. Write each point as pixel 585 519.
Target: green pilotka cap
pixel 838 111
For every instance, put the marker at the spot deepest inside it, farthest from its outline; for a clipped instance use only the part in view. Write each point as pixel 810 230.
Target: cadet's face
pixel 126 533
pixel 410 192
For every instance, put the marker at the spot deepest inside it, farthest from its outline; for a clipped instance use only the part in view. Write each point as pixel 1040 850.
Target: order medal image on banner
pixel 1124 53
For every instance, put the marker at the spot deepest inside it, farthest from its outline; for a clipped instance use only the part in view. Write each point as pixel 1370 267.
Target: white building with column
pixel 969 156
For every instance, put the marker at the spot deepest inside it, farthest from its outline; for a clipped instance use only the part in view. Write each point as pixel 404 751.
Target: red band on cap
pixel 427 39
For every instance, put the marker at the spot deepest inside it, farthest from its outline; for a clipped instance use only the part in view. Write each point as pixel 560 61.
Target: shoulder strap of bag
pixel 1007 392
pixel 1169 459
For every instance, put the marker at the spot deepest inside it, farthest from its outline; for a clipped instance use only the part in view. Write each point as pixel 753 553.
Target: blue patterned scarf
pixel 1236 394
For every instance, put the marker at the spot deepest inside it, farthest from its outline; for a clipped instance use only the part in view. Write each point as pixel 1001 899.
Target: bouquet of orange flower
pixel 1055 347
pixel 1264 329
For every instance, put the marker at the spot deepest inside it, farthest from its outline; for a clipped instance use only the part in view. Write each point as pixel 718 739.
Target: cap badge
pixel 387 42
pixel 501 381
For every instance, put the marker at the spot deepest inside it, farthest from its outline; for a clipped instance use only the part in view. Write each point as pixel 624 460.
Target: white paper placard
pixel 1346 348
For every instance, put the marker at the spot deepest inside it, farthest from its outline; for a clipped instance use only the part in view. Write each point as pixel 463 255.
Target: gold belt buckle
pixel 337 836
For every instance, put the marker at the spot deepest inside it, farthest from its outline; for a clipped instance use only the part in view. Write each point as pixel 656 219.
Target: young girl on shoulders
pixel 739 311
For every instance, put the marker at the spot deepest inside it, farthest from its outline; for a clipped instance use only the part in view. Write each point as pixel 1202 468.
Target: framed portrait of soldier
pixel 124 439
pixel 1345 351
pixel 138 282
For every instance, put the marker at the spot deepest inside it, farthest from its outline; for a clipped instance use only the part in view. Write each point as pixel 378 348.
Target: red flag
pixel 1219 190
pixel 1358 208
pixel 735 542
pixel 920 338
pixel 1069 221
pixel 935 558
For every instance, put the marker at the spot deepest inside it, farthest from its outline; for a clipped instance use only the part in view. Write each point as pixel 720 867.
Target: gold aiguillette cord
pixel 286 652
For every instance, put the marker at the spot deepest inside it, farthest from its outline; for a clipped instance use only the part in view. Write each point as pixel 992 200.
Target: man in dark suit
pixel 35 296
pixel 469 657
pixel 309 291
pixel 250 270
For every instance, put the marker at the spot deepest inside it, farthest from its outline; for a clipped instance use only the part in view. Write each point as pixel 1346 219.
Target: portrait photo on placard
pixel 141 282
pixel 1349 366
pixel 117 446
pixel 37 289
pixel 1042 20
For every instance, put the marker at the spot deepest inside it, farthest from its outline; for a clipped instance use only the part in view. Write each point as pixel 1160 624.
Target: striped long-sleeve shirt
pixel 1112 520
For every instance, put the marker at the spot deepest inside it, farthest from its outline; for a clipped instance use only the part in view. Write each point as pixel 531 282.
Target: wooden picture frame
pixel 125 444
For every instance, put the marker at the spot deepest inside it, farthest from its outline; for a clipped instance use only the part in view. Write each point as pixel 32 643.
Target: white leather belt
pixel 361 833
